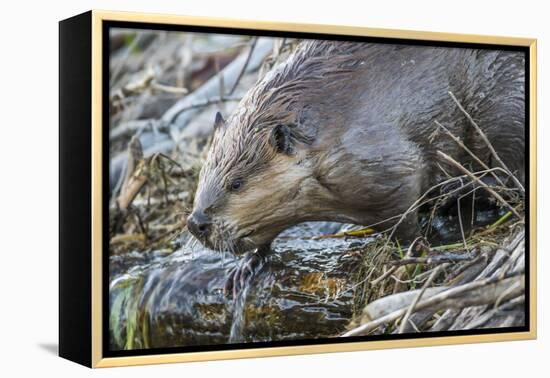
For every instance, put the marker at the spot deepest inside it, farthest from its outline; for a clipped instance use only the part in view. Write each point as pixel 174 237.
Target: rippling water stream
pixel 173 300
pixel 304 291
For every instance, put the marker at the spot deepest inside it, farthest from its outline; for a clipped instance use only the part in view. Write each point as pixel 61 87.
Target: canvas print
pixel 293 189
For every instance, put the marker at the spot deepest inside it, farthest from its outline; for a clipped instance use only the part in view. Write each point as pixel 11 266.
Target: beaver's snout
pixel 199 225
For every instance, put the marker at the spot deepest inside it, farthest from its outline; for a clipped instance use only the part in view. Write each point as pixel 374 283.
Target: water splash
pixel 304 291
pixel 239 314
pixel 178 299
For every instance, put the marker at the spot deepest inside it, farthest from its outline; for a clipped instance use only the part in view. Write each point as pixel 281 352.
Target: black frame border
pixel 106 25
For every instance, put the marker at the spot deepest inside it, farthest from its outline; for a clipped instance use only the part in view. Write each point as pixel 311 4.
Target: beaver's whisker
pixel 186 244
pixel 245 234
pixel 190 241
pixel 230 245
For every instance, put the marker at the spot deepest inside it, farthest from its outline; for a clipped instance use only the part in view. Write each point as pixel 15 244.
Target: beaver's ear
pixel 280 139
pixel 219 121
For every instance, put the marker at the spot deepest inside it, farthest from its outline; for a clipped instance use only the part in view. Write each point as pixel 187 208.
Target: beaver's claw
pixel 243 272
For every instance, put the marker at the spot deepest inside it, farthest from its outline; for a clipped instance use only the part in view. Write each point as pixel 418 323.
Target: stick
pixel 180 114
pixel 438 259
pixel 211 88
pixel 382 277
pixel 443 299
pixel 363 232
pixel 414 303
pixel 419 202
pixel 460 224
pixel 487 142
pixel 478 181
pixel 208 102
pixel 463 146
pixel 128 49
pixel 168 88
pixel 243 70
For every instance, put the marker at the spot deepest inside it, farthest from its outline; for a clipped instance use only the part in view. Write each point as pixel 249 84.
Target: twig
pixel 126 238
pixel 133 87
pixel 481 258
pixel 418 247
pixel 245 65
pixel 443 298
pixel 211 87
pixel 506 292
pixel 221 80
pixel 446 247
pixel 129 48
pixel 410 310
pixel 137 126
pixel 478 181
pixel 487 142
pixel 384 276
pixel 132 184
pixel 463 146
pixel 168 88
pixel 438 259
pixel 482 319
pixel 208 102
pixel 460 223
pixel 418 203
pixel 500 221
pixel 490 229
pixel 361 233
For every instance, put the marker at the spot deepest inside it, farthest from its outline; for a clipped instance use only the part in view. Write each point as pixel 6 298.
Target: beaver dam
pixel 464 271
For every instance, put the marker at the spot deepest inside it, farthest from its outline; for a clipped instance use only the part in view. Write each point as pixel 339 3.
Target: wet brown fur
pixel 363 140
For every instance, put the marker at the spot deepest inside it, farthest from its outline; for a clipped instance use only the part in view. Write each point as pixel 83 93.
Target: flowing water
pixel 303 291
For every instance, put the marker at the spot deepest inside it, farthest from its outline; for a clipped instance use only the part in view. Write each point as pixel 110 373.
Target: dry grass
pixel 478 281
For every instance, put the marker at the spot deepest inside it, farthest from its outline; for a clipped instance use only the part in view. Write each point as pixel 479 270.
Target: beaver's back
pixel 381 101
pixel 346 132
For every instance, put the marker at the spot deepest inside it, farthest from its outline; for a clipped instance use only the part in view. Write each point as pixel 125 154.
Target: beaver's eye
pixel 236 185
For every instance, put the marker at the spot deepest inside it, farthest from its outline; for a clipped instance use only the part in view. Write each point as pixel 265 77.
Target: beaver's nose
pixel 199 224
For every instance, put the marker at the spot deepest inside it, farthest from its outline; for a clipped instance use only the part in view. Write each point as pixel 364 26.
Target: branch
pixel 461 144
pixel 487 142
pixel 479 182
pixel 438 259
pixel 475 293
pixel 245 65
pixel 417 298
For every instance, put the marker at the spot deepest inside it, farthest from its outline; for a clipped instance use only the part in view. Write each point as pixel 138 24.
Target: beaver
pixel 345 132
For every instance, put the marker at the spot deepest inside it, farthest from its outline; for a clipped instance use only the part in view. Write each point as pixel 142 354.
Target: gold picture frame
pixel 93 23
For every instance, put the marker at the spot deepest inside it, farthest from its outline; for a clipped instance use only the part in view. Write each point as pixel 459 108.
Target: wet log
pixel 303 292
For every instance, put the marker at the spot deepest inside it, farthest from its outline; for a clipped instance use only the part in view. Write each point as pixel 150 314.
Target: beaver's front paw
pixel 244 271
